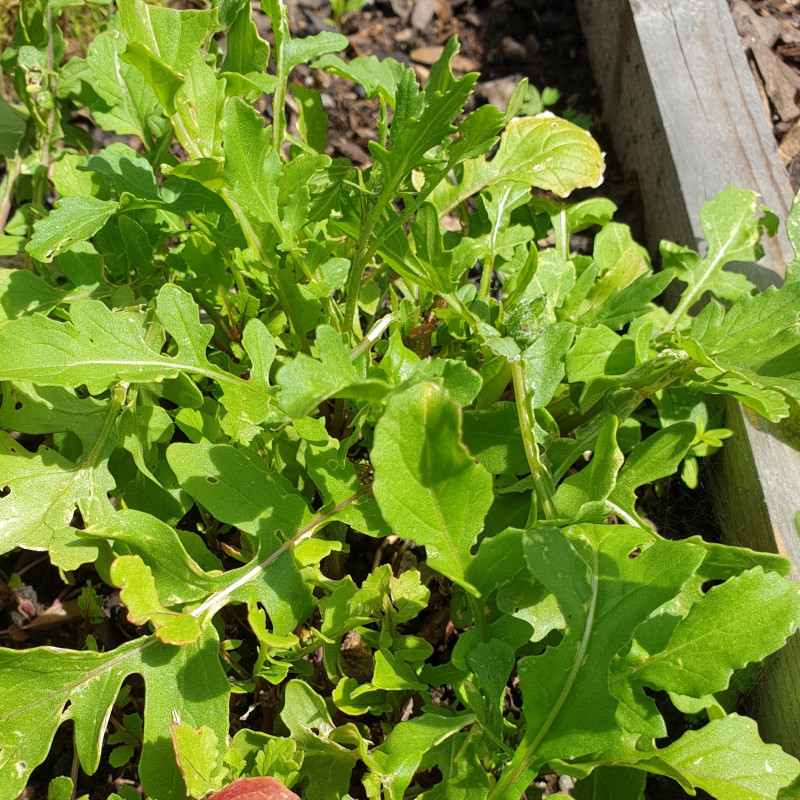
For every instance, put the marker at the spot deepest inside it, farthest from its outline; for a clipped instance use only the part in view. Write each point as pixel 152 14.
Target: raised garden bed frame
pixel 686 120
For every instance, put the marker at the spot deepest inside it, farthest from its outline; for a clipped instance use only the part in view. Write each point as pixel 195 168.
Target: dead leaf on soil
pixel 56 614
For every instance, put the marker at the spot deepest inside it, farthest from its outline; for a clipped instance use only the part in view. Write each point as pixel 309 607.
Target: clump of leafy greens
pixel 238 362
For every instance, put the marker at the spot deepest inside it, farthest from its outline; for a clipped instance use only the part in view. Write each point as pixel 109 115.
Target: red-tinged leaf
pixel 255 789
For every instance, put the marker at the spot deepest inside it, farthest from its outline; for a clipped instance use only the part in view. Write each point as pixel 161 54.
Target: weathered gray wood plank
pixel 684 113
pixel 686 121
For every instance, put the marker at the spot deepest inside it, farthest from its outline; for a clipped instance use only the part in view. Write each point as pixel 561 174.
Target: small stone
pixel 565 783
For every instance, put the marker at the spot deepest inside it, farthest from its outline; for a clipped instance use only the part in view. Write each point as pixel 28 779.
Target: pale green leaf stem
pixel 542 479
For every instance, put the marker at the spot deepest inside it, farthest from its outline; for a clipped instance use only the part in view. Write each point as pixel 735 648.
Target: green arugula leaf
pixel 267 190
pixel 75 219
pixel 427 486
pixel 756 339
pixel 569 707
pixel 173 36
pixel 30 409
pixel 724 621
pixel 158 76
pixel 727 759
pixel 394 763
pixel 196 751
pixel 45 491
pixel 329 756
pixel 126 103
pixel 422 119
pixel 656 457
pixel 312 123
pixel 99 347
pixel 247 52
pixel 493 437
pixel 23 292
pixel 82 686
pixel 733 233
pixel 199 107
pixel 379 77
pixel 302 51
pixel 13 123
pixel 544 362
pixel 305 382
pixel 544 152
pixel 337 479
pixel 138 591
pixel 621 783
pixel 237 491
pixel 581 497
pixel 178 577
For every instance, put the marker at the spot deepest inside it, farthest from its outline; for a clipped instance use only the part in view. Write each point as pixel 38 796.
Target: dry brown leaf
pixel 56 614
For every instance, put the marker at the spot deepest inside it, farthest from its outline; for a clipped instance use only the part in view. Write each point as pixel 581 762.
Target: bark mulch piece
pixel 770 32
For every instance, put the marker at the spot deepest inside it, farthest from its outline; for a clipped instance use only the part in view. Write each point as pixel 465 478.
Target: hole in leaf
pixel 77 521
pixel 637 551
pixel 429 778
pixel 212 479
pixel 709 585
pixel 5 491
pixel 17 406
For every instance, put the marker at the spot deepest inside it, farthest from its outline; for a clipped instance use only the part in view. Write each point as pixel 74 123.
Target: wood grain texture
pixel 686 120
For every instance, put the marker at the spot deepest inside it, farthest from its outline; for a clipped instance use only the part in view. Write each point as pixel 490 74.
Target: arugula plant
pixel 230 360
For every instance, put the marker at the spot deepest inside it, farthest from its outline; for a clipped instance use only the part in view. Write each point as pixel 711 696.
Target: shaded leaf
pixel 426 484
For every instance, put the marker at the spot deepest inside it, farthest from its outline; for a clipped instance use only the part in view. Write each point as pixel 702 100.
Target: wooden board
pixel 686 120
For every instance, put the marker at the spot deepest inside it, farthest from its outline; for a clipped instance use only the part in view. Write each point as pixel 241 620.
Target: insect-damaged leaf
pixel 82 686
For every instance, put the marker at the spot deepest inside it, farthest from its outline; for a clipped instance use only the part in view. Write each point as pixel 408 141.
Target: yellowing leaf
pixel 138 592
pixel 544 151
